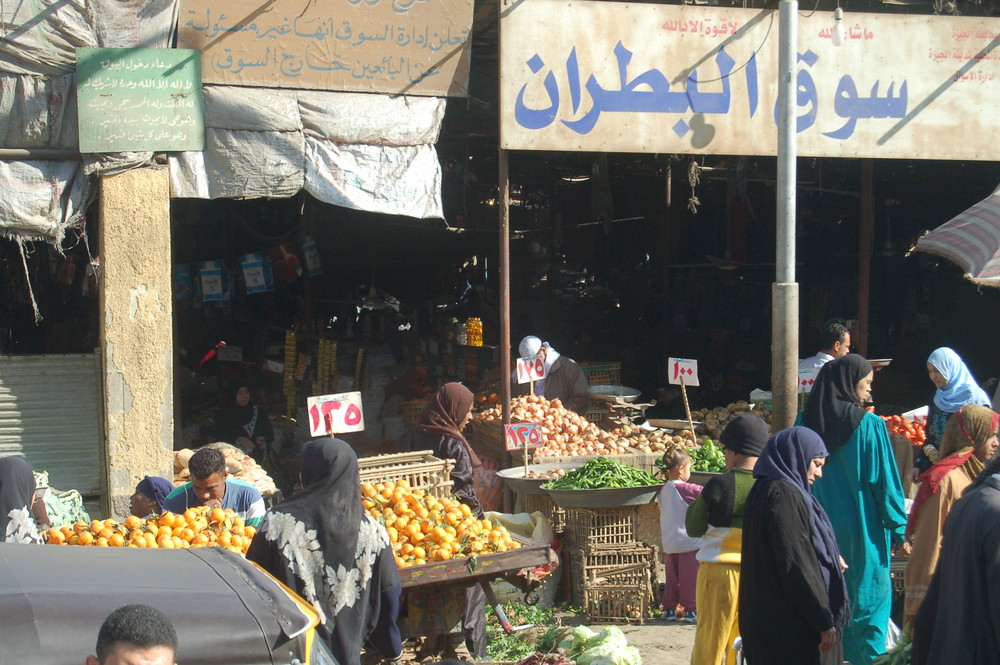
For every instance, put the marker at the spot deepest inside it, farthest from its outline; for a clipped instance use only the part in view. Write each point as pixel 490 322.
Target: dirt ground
pixel 662 643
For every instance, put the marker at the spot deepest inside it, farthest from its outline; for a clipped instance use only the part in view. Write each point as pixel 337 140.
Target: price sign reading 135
pixel 522 435
pixel 683 371
pixel 530 369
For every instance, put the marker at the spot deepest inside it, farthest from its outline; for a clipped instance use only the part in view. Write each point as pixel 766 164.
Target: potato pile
pixel 715 420
pixel 423 528
pixel 656 441
pixel 564 431
pixel 240 465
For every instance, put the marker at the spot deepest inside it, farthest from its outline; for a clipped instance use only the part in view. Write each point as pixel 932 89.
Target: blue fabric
pixel 243 498
pixel 155 488
pixel 961 388
pixel 787 457
pixel 861 493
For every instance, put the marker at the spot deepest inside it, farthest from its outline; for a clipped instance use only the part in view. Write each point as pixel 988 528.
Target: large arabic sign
pixel 139 99
pixel 608 76
pixel 414 47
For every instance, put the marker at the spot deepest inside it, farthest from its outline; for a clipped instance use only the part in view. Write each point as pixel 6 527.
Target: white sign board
pixel 682 371
pixel 807 379
pixel 333 414
pixel 622 77
pixel 531 369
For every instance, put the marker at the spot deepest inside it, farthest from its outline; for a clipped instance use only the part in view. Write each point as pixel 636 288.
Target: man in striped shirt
pixel 211 486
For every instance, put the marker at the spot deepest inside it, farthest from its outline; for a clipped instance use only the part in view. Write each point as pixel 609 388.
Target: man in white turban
pixel 564 379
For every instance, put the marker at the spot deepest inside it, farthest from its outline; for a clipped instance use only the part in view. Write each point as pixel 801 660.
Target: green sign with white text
pixel 139 99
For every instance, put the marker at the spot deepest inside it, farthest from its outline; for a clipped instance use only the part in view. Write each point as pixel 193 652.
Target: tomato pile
pixel 196 527
pixel 914 430
pixel 423 528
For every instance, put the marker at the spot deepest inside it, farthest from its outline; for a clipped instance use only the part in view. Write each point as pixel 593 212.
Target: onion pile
pixel 715 420
pixel 564 431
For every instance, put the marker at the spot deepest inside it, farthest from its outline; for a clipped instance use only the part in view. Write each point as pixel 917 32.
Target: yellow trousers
pixel 718 598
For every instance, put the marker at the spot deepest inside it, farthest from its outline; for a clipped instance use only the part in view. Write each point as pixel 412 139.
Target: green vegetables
pixel 609 647
pixel 503 647
pixel 602 473
pixel 709 457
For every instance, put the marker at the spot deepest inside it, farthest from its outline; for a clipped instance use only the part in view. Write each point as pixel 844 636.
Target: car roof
pixel 225 609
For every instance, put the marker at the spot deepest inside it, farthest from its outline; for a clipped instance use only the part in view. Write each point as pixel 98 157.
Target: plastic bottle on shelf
pixel 474 331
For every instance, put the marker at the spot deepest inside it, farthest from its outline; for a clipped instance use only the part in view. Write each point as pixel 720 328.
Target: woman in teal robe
pixel 861 492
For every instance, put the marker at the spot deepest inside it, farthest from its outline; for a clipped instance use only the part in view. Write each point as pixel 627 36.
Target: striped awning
pixel 971 240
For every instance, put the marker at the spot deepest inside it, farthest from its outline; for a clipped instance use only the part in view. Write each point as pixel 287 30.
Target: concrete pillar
pixel 136 329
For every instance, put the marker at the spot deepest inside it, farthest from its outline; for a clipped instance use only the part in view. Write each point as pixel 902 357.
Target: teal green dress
pixel 861 492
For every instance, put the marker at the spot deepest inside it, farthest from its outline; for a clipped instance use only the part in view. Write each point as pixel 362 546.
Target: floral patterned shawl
pixel 321 543
pixel 17 485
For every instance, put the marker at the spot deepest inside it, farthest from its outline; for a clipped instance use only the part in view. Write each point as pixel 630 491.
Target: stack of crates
pixel 611 570
pixel 420 469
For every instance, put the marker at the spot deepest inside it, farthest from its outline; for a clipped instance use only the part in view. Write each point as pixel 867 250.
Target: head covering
pixel 445 411
pixel 529 346
pixel 326 543
pixel 17 485
pixel 787 457
pixel 745 434
pixel 833 410
pixel 155 489
pixel 961 388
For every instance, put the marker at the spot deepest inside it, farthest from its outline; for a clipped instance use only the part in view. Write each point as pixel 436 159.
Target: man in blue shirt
pixel 210 486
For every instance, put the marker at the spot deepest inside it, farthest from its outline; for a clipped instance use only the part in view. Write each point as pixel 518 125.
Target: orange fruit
pixel 116 540
pixel 190 515
pixel 55 537
pixel 216 515
pixel 79 526
pixel 85 538
pixel 168 519
pixel 132 522
pixel 249 531
pixel 101 542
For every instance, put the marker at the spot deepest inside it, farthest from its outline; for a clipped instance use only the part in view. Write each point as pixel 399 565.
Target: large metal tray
pixel 614 393
pixel 669 423
pixel 605 498
pixel 520 485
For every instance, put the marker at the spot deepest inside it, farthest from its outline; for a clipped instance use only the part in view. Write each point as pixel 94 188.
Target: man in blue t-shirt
pixel 210 486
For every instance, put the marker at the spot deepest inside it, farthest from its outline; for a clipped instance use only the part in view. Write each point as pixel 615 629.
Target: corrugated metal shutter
pixel 51 411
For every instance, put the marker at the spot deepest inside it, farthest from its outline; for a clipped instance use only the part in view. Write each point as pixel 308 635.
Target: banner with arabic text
pixel 617 77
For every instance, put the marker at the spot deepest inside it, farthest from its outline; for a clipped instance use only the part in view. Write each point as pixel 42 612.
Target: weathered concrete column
pixel 136 329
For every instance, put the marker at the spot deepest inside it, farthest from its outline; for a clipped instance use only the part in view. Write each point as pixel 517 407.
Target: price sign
pixel 683 371
pixel 332 414
pixel 522 435
pixel 531 369
pixel 807 379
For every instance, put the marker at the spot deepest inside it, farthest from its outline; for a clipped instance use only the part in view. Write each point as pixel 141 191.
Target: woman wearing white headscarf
pixel 564 379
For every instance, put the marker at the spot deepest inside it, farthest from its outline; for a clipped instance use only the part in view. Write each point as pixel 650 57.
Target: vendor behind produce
pixel 210 486
pixel 440 431
pixel 564 379
pixel 244 423
pixel 149 496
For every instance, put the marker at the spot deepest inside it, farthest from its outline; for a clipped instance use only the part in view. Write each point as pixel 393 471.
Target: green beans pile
pixel 602 473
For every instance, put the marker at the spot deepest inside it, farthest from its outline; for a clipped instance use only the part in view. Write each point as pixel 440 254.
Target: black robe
pixel 783 598
pixel 959 620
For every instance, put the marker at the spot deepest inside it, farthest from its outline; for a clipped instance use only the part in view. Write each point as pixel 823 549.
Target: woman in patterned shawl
pixel 17 490
pixel 321 543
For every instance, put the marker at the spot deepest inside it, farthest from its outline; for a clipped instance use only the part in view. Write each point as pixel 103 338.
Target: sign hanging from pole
pixel 334 414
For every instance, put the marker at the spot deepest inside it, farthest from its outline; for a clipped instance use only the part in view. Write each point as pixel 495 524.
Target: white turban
pixel 529 347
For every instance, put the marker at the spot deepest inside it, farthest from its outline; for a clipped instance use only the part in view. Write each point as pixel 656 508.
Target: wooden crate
pixel 410 411
pixel 542 503
pixel 627 567
pixel 602 374
pixel 421 470
pixel 604 527
pixel 617 604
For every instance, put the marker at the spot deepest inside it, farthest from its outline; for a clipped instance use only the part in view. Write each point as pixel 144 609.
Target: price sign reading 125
pixel 331 414
pixel 683 371
pixel 522 435
pixel 530 369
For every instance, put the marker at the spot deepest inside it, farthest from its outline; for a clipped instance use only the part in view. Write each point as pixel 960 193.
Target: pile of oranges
pixel 196 527
pixel 425 529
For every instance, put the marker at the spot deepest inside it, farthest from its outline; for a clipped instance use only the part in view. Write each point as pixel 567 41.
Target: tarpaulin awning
pixel 971 240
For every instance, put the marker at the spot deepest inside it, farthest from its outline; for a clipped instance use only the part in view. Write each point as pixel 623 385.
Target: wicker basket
pixel 421 470
pixel 602 374
pixel 607 527
pixel 617 604
pixel 628 567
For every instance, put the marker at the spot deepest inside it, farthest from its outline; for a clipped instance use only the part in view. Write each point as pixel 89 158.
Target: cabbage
pixel 609 647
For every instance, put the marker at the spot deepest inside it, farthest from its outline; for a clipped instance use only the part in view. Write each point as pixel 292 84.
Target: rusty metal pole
pixel 504 274
pixel 866 232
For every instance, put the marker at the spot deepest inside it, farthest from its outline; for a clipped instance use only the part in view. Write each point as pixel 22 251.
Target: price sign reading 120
pixel 530 369
pixel 522 435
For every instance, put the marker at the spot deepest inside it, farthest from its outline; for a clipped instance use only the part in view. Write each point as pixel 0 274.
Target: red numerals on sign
pixel 530 369
pixel 521 435
pixel 324 412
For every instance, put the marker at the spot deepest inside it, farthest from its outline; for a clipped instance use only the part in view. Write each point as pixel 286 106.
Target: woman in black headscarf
pixel 244 423
pixel 17 493
pixel 793 603
pixel 861 492
pixel 321 543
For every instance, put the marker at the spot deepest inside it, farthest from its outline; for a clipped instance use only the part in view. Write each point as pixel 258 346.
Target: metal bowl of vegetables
pixel 603 483
pixel 531 483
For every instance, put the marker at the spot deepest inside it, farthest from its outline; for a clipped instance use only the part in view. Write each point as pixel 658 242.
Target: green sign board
pixel 139 99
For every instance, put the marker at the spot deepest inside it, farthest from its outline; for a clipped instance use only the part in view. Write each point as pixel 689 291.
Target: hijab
pixel 786 458
pixel 444 413
pixel 17 485
pixel 746 434
pixel 833 410
pixel 155 489
pixel 323 534
pixel 961 388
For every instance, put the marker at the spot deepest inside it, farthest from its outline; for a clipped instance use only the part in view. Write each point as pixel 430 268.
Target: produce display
pixel 655 441
pixel 709 457
pixel 602 473
pixel 715 420
pixel 914 430
pixel 240 466
pixel 564 431
pixel 423 528
pixel 551 474
pixel 196 527
pixel 608 647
